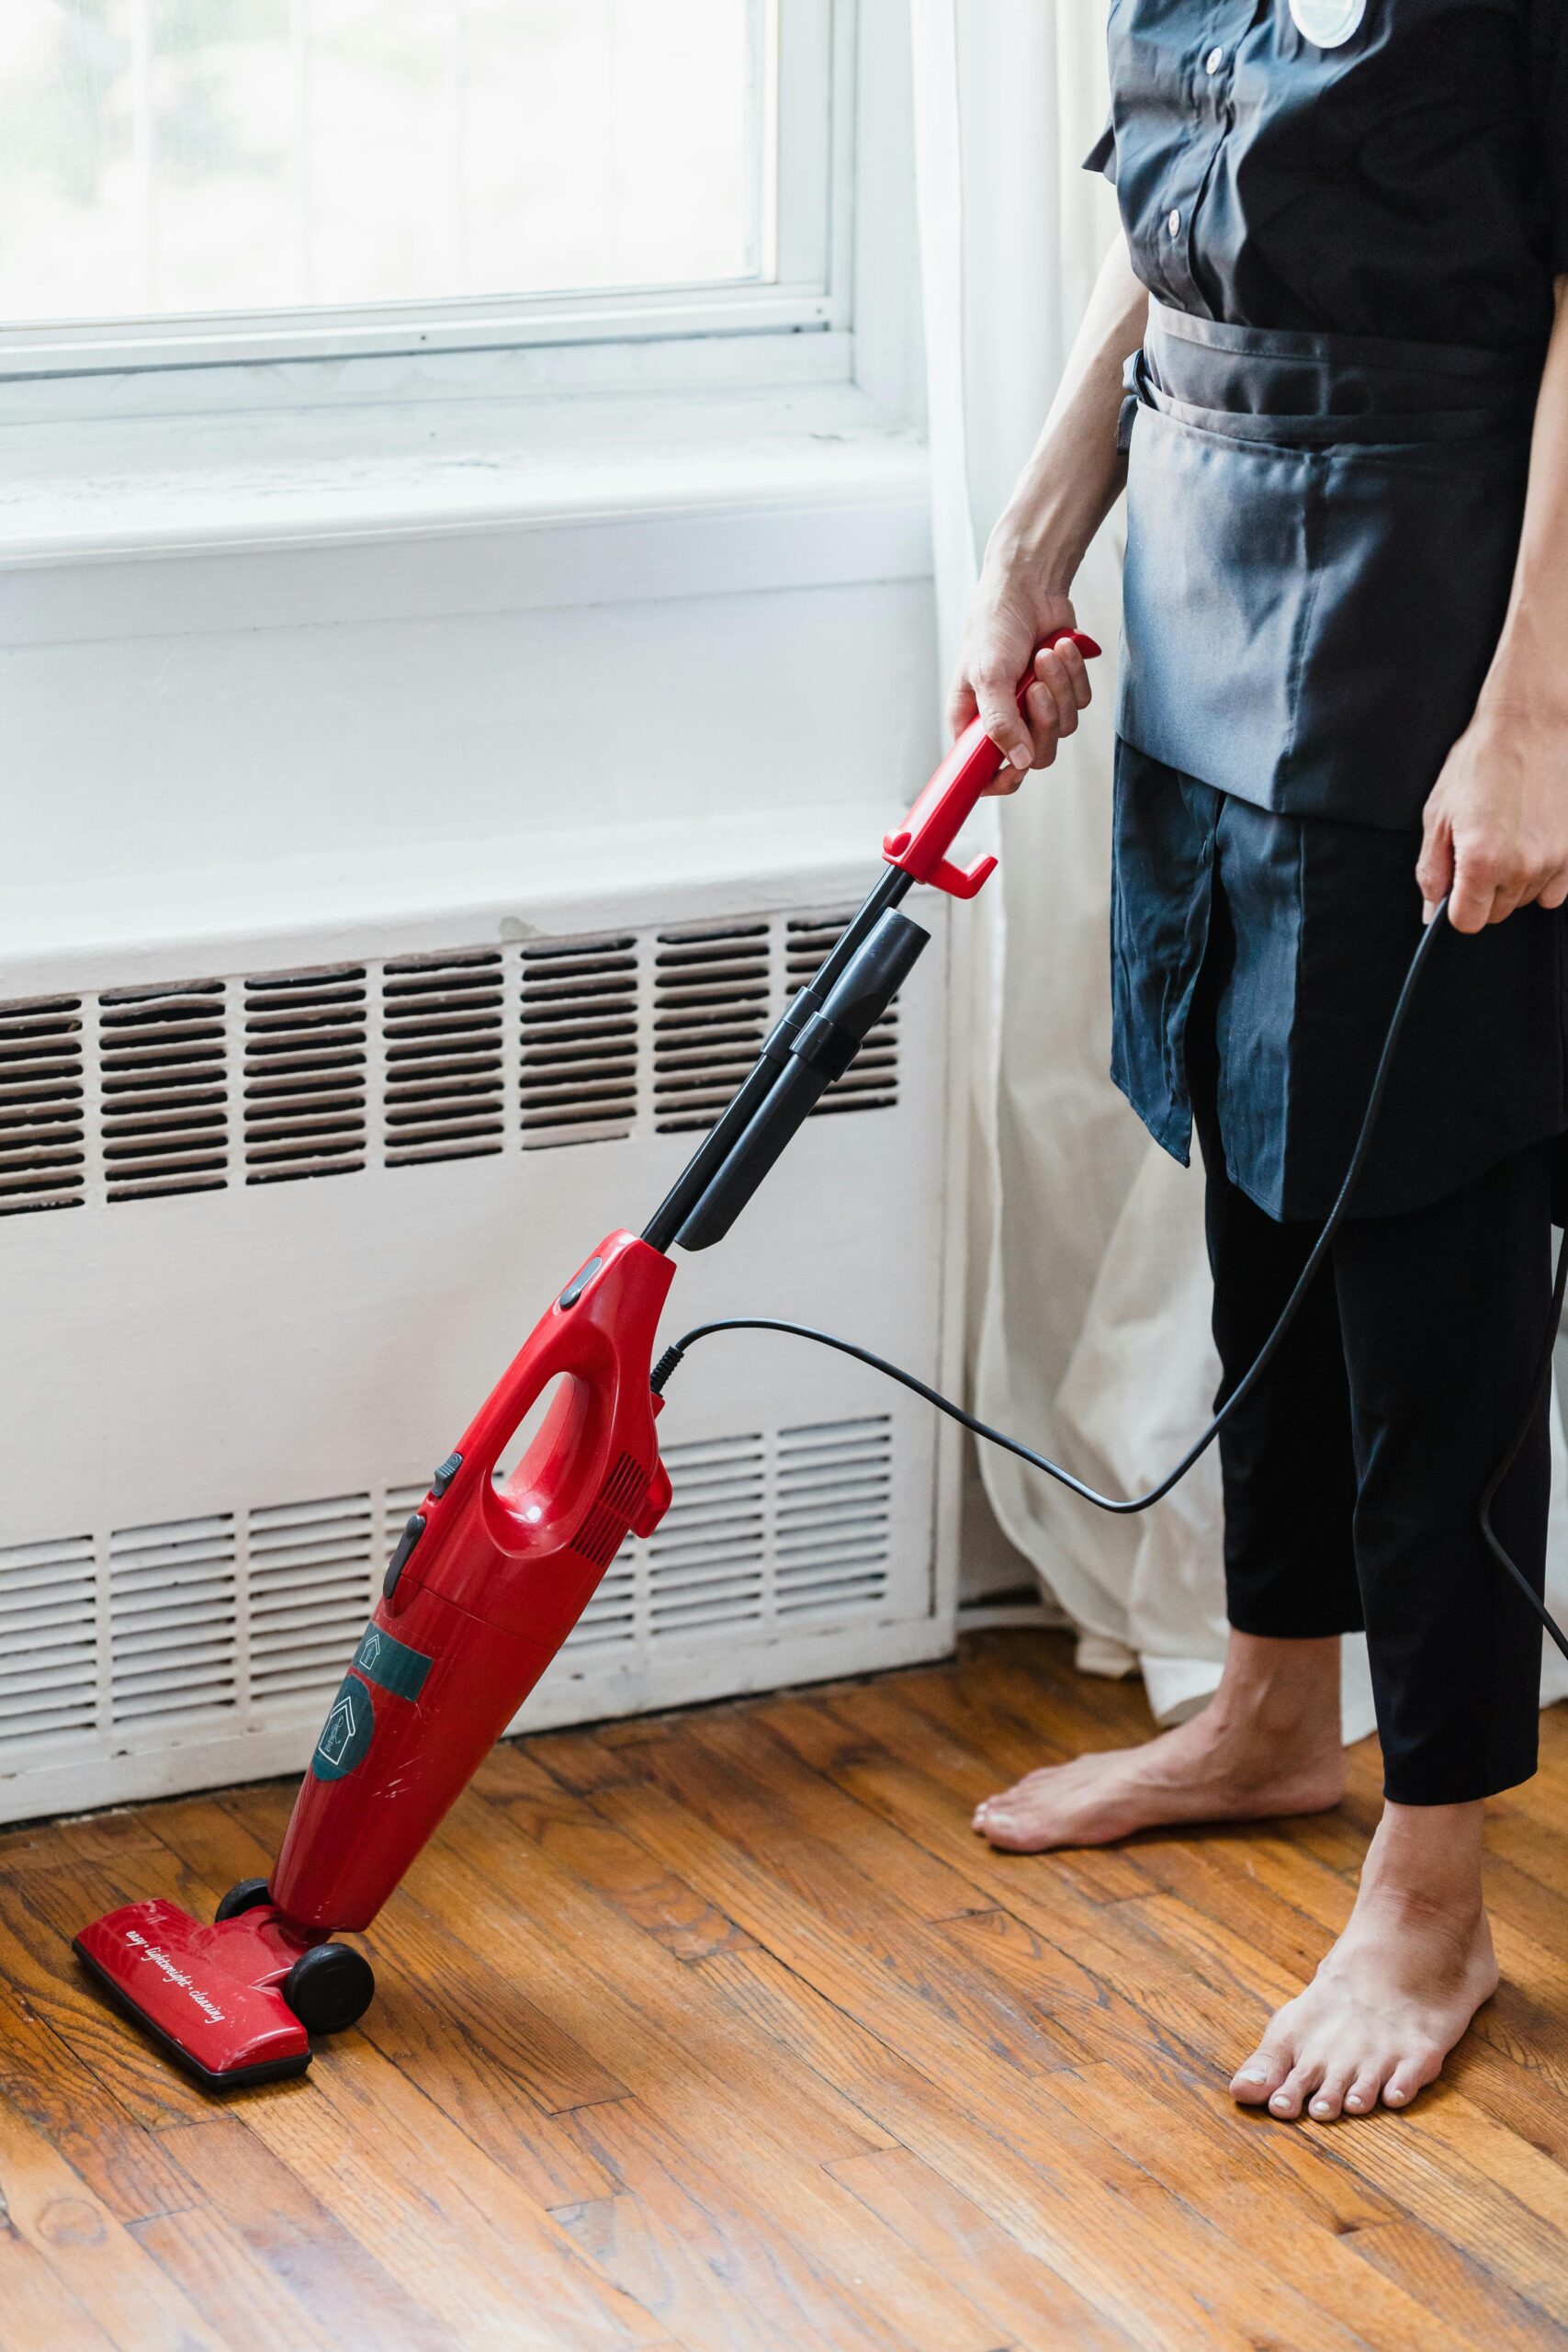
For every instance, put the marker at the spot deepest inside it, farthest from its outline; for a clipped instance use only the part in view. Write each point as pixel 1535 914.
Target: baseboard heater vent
pixel 312 1212
pixel 242 1620
pixel 284 1076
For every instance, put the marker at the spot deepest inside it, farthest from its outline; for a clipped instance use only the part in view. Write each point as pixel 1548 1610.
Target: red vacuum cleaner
pixel 486 1581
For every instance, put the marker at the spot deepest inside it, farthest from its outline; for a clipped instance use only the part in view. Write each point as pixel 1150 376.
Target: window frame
pixel 808 238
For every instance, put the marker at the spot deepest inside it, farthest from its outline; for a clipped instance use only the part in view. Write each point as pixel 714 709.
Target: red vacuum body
pixel 488 1579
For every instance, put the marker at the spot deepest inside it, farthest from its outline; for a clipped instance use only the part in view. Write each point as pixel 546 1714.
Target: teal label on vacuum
pixel 347 1732
pixel 390 1663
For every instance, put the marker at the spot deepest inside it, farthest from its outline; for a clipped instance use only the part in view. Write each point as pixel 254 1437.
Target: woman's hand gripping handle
pixel 980 763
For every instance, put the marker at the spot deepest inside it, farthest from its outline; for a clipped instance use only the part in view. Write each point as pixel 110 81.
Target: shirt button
pixel 1173 223
pixel 1213 62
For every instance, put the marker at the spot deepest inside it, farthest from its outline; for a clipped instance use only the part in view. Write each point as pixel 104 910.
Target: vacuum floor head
pixel 236 2002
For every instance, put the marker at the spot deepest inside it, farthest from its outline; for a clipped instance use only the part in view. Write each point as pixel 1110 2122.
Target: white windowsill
pixel 150 525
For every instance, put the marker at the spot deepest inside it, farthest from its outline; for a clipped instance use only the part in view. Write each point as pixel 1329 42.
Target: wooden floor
pixel 722 2031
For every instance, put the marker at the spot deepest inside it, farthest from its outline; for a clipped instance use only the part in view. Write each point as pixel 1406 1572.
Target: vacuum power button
pixel 579 1283
pixel 414 1528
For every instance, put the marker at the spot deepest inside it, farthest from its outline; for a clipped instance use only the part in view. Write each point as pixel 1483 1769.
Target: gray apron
pixel 1321 537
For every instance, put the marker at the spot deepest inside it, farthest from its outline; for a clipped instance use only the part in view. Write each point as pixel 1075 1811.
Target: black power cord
pixel 1124 1506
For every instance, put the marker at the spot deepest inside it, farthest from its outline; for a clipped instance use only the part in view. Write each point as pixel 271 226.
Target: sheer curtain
pixel 1088 1305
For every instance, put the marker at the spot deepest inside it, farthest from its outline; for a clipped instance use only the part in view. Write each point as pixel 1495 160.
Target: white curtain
pixel 1088 1305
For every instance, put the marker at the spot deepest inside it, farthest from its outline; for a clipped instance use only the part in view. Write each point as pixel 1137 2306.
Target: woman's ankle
pixel 1428 1856
pixel 1279 1691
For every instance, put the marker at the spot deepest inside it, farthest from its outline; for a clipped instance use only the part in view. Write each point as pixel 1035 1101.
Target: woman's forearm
pixel 1063 495
pixel 1495 826
pixel 1531 662
pixel 1075 475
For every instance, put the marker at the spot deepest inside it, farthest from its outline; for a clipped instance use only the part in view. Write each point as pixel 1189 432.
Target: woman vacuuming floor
pixel 1343 277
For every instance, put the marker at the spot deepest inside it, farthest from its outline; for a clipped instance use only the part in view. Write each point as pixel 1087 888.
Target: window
pixel 183 180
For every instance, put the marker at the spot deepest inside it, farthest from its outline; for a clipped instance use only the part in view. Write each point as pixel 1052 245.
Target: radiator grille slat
pixel 162 1053
pixel 579 1042
pixel 48 1642
pixel 42 1118
pixel 174 1618
pixel 305 1074
pixel 712 1006
pixel 443 1019
pixel 312 1574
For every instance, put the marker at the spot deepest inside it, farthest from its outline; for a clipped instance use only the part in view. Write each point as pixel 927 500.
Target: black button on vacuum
pixel 414 1528
pixel 443 1476
pixel 579 1284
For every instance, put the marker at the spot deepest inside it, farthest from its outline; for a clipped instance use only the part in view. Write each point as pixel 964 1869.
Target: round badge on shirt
pixel 1327 23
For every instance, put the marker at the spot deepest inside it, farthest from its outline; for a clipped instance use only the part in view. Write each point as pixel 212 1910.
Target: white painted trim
pixel 290 390
pixel 122 346
pixel 737 497
pixel 563 1697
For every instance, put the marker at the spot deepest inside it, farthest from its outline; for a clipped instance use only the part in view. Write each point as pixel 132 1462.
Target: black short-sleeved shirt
pixel 1409 179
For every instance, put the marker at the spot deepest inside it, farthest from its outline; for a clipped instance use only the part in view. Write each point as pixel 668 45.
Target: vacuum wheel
pixel 250 1894
pixel 328 1988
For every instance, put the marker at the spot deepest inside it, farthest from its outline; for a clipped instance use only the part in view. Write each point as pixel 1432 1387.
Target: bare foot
pixel 1268 1743
pixel 1400 1987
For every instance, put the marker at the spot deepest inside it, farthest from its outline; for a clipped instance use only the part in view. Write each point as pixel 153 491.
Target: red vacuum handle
pixel 921 843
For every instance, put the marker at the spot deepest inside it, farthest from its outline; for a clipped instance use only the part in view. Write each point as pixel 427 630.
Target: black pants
pixel 1352 1475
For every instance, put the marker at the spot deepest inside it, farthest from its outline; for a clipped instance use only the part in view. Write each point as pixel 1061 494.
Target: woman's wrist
pixel 1040 543
pixel 1528 679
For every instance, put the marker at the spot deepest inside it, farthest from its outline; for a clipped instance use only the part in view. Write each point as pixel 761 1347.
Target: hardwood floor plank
pixel 629 2002
pixel 580 1760
pixel 771 1779
pixel 1113 2029
pixel 1221 2174
pixel 1006 1746
pixel 853 1979
pixel 1089 2231
pixel 649 1897
pixel 49 2207
pixel 775 1816
pixel 199 2253
pixel 1030 2304
pixel 41 2314
pixel 346 2127
pixel 1510 2220
pixel 1095 1944
pixel 721 2031
pixel 729 2277
pixel 684 2057
pixel 471 2039
pixel 440 2218
pixel 1472 2303
pixel 1459 2204
pixel 43 2080
pixel 260 2204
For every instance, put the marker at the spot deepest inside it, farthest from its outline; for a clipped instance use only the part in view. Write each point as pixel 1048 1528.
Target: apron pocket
pixel 1308 627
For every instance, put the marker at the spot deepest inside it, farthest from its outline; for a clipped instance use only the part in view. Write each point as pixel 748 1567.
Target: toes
pixel 1410 2075
pixel 1295 2090
pixel 1362 2095
pixel 1262 2073
pixel 996 1821
pixel 999 1807
pixel 1328 2101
